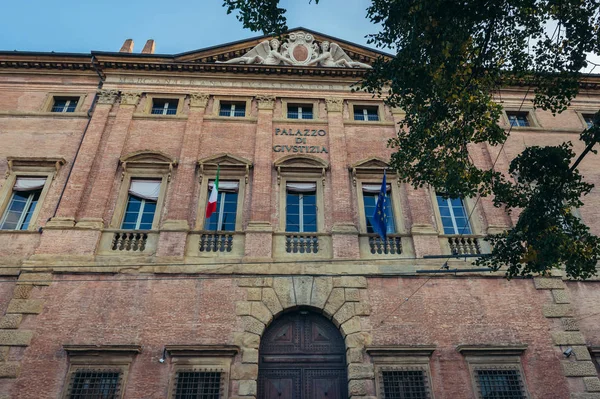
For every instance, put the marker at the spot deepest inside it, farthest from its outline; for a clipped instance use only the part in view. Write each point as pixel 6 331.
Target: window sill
pixel 19 232
pixel 301 121
pixel 40 114
pixel 159 116
pixel 369 123
pixel 243 119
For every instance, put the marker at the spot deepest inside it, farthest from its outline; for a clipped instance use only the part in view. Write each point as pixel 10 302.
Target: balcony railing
pixel 464 245
pixel 301 243
pixel 296 115
pixel 391 245
pixel 129 241
pixel 216 242
pixel 163 111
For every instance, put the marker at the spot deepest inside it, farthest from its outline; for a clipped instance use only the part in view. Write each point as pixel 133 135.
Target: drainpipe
pixel 90 112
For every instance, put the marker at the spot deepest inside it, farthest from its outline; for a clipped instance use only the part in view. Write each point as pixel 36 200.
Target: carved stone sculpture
pixel 299 49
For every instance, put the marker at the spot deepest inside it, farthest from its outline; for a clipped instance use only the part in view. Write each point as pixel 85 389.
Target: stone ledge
pixel 350 282
pixel 35 278
pixel 587 395
pixel 552 310
pixel 546 283
pixel 568 338
pixel 15 337
pixel 255 282
pixel 579 369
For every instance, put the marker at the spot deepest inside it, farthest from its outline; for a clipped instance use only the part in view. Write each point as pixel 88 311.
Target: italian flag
pixel 211 207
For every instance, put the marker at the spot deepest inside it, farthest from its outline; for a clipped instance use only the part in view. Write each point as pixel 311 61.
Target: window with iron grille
pixel 362 113
pixel 64 104
pixel 518 119
pixel 232 109
pixel 191 384
pixel 404 382
pixel 95 384
pixel 501 383
pixel 300 111
pixel 589 120
pixel 164 107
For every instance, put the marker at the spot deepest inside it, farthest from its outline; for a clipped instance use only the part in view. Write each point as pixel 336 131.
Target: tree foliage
pixel 451 59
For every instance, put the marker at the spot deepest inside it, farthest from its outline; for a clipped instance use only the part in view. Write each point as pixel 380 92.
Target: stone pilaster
pixel 259 238
pixel 344 232
pixel 179 206
pixel 340 298
pixel 578 367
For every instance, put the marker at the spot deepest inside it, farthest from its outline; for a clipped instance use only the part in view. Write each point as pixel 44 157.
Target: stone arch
pixel 341 299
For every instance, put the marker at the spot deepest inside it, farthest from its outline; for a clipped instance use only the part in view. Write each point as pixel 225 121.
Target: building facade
pixel 115 284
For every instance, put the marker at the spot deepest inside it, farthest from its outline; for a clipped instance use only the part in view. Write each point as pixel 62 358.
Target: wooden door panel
pixel 324 384
pixel 280 384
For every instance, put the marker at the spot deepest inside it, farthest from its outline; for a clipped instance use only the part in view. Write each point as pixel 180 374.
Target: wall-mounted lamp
pixel 568 352
pixel 164 356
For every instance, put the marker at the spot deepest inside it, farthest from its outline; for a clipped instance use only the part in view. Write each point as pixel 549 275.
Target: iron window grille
pixel 95 384
pixel 164 107
pixel 191 384
pixel 454 216
pixel 300 112
pixel 232 109
pixel 410 382
pixel 518 119
pixel 499 383
pixel 64 104
pixel 365 114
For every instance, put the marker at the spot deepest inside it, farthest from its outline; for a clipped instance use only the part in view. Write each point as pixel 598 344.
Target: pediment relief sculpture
pixel 300 48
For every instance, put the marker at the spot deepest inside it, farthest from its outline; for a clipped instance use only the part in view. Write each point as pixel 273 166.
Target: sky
pixel 176 26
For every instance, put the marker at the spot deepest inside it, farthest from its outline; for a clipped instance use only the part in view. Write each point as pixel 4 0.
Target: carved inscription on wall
pixel 301 141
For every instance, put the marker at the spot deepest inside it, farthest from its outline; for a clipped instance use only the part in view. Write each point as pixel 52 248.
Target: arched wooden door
pixel 302 356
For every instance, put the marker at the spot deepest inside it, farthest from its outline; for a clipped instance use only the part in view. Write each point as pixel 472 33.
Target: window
pixel 23 201
pixel 364 113
pixel 518 119
pixel 164 107
pixel 301 207
pixel 300 111
pixel 401 384
pixel 141 204
pixel 95 383
pixel 454 216
pixel 227 203
pixel 402 372
pixel 64 104
pixel 190 384
pixel 370 195
pixel 588 119
pixel 498 383
pixel 232 109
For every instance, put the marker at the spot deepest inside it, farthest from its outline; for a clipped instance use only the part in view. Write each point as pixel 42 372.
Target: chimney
pixel 127 46
pixel 149 47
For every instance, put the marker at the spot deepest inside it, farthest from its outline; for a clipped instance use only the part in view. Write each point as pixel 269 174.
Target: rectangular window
pixel 164 107
pixel 401 384
pixel 232 109
pixel 141 204
pixel 64 104
pixel 95 384
pixel 24 199
pixel 370 195
pixel 454 215
pixel 197 385
pixel 362 113
pixel 499 384
pixel 518 119
pixel 301 207
pixel 589 120
pixel 227 201
pixel 300 111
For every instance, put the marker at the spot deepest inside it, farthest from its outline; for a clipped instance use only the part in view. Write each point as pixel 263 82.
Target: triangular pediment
pixel 225 160
pixel 372 163
pixel 298 47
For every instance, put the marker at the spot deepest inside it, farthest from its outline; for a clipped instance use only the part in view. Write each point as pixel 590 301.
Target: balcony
pixel 128 242
pixel 312 245
pixel 394 246
pixel 213 244
pixel 464 245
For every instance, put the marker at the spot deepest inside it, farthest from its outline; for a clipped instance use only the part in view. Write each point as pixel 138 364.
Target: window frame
pixel 292 177
pixel 217 100
pixel 300 113
pixel 51 98
pixel 492 357
pixel 582 114
pixel 529 114
pixel 201 358
pixel 470 209
pixel 401 358
pixel 224 175
pixel 28 167
pixel 123 195
pixel 103 357
pixel 353 104
pixel 151 97
pixel 286 102
pixel 457 232
pixel 394 195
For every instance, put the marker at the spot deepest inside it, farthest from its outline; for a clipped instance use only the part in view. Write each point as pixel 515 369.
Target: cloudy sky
pixel 176 26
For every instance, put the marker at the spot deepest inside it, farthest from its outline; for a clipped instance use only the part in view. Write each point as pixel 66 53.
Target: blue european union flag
pixel 379 218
